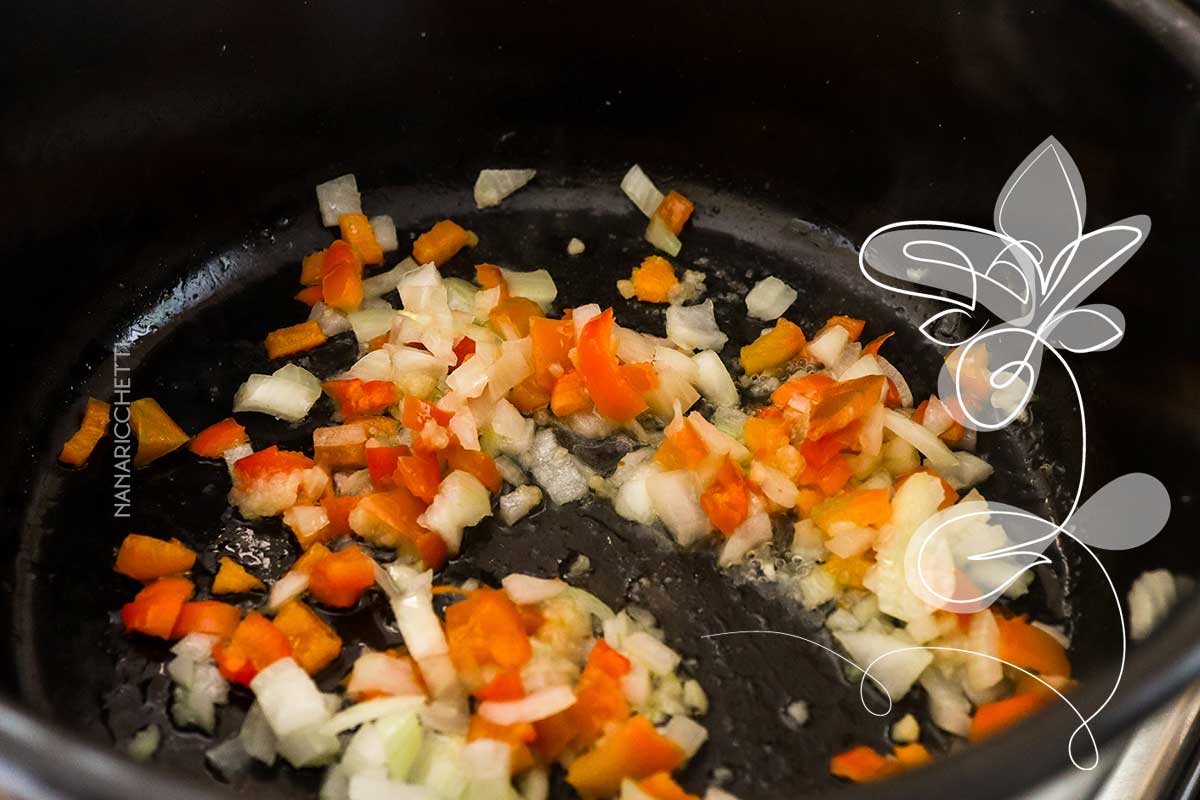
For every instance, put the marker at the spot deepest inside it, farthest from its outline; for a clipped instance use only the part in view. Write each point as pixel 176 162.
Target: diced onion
pixel 583 315
pixel 817 587
pixel 634 347
pixel 461 501
pixel 256 736
pixel 375 787
pixel 384 282
pixel 369 711
pixel 983 636
pixel 336 197
pixel 285 394
pixel 807 540
pixel 228 759
pixel 695 327
pixel 384 228
pixel 754 530
pixel 717 441
pixel 329 320
pixel 1152 595
pixel 676 501
pixel 536 285
pixel 777 486
pixel 514 433
pixel 937 417
pixel 639 188
pixel 931 447
pixel 287 588
pixel 556 470
pixel 650 652
pixel 847 540
pixel 687 733
pixel 661 236
pixel 713 379
pixel 534 707
pixel 769 298
pixel 893 374
pixel 827 346
pixel 896 673
pixel 413 607
pixel 493 185
pixel 288 697
pixel 371 323
pixel 970 470
pixel 864 366
pixel 527 590
pixel 385 674
pixel 949 707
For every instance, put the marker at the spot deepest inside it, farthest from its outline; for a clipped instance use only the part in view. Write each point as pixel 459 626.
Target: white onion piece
pixel 575 247
pixel 510 471
pixel 864 366
pixel 583 315
pixel 687 733
pixel 893 374
pixel 817 587
pixel 847 540
pixel 288 697
pixel 637 685
pixel 461 501
pixel 414 371
pixel 288 587
pixel 286 394
pixel 650 652
pixel 558 472
pixel 412 604
pixel 713 379
pixel 675 498
pixel 827 346
pixel 662 237
pixel 329 320
pixel 634 347
pixel 769 298
pixel 871 438
pixel 715 793
pixel 527 590
pixel 778 487
pixel 931 447
pixel 673 391
pixel 716 440
pixel 514 365
pixel 983 636
pixel 371 323
pixel 383 673
pixel 531 708
pixel 485 301
pixel 373 366
pixel 371 710
pixel 937 419
pixel 384 228
pixel 639 188
pixel 236 454
pixel 493 185
pixel 668 358
pixel 970 470
pixel 1151 597
pixel 633 497
pixel 807 540
pixel 336 197
pixel 514 432
pixel 536 285
pixel 695 327
pixel 228 759
pixel 375 787
pixel 949 707
pixel 754 530
pixel 896 673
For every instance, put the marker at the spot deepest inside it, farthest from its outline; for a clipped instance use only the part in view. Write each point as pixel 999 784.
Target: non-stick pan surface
pixel 196 343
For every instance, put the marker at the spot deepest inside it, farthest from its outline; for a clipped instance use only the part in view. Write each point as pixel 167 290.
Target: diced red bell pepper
pixel 255 645
pixel 214 440
pixel 209 617
pixel 269 461
pixel 611 392
pixel 156 607
pixel 340 578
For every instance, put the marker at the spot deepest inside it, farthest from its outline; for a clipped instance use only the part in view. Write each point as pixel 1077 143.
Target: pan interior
pixel 200 335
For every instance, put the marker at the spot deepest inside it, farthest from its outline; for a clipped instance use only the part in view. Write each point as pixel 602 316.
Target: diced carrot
pixel 634 750
pixel 681 448
pixel 358 232
pixel 341 278
pixel 440 243
pixel 255 645
pixel 765 434
pixel 145 558
pixel 569 396
pixel 486 629
pixel 269 461
pixel 862 765
pixel 843 404
pixel 417 412
pixel 489 276
pixel 992 717
pixel 653 280
pixel 863 507
pixel 209 617
pixel 518 737
pixel 551 342
pixel 511 317
pixel 529 395
pixel 1030 647
pixel 420 473
pixel 310 295
pixel 474 462
pixel 774 348
pixel 93 427
pixel 872 347
pixel 213 441
pixel 309 559
pixel 608 388
pixel 949 493
pixel 675 210
pixel 232 578
pixel 382 461
pixel 506 685
pixel 294 339
pixel 312 268
pixel 853 326
pixel 661 786
pixel 726 501
pixel 314 643
pixel 157 433
pixel 156 607
pixel 811 387
pixel 848 571
pixel 340 578
pixel 338 509
pixel 355 397
pixel 389 519
pixel 340 447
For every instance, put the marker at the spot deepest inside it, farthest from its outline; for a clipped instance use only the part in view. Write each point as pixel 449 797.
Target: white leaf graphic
pixel 1087 329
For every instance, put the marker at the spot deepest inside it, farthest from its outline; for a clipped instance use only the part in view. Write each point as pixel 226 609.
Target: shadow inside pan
pixel 205 336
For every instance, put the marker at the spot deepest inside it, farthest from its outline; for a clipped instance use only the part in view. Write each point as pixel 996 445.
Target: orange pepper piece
pixel 209 617
pixel 726 500
pixel 389 519
pixel 675 210
pixel 848 571
pixel 862 765
pixel 569 395
pixel 1030 647
pixel 214 440
pixel 661 786
pixel 314 644
pixel 355 397
pixel 511 317
pixel 440 243
pixel 340 578
pixel 843 404
pixel 356 230
pixel 551 340
pixel 634 750
pixel 774 348
pixel 812 387
pixel 310 296
pixel 517 737
pixel 232 578
pixel 95 423
pixel 341 277
pixel 863 507
pixel 681 448
pixel 255 645
pixel 653 280
pixel 992 717
pixel 474 462
pixel 294 339
pixel 145 558
pixel 608 388
pixel 157 433
pixel 420 473
pixel 269 461
pixel 766 434
pixel 853 326
pixel 872 347
pixel 156 607
pixel 486 629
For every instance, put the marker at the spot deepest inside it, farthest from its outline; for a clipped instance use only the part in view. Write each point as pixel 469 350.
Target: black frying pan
pixel 182 196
